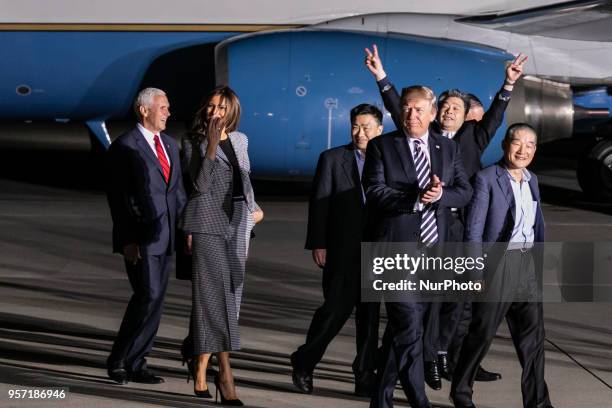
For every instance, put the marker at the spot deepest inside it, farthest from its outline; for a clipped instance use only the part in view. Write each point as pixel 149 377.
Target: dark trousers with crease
pixel 401 356
pixel 149 280
pixel 526 323
pixel 441 322
pixel 463 325
pixel 443 318
pixel 341 294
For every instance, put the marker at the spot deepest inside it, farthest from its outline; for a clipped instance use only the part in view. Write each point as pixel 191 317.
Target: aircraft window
pixel 23 90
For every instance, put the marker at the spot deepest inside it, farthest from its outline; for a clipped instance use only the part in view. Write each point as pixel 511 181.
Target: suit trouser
pixel 441 322
pixel 149 280
pixel 402 356
pixel 526 323
pixel 461 330
pixel 442 318
pixel 341 294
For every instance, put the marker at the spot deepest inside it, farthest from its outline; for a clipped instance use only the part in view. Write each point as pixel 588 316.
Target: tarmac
pixel 62 296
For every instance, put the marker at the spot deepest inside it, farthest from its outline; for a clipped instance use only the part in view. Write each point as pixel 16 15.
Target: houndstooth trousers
pixel 218 280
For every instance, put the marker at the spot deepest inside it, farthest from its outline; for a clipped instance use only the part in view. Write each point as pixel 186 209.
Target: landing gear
pixel 98 133
pixel 595 171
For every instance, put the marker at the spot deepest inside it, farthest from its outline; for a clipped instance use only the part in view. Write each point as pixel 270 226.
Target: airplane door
pixel 257 69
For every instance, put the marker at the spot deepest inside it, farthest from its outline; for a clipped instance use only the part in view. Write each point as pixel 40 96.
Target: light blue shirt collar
pixel 526 175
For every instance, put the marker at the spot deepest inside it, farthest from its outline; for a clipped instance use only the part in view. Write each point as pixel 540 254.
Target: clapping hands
pixel 433 191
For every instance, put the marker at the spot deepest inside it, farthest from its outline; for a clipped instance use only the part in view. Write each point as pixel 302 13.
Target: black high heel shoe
pixel 232 403
pixel 191 366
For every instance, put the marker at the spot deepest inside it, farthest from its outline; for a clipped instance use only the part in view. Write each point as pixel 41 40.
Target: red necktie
pixel 161 156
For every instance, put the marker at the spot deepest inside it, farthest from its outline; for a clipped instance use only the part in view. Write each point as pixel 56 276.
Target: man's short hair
pixel 515 127
pixel 366 109
pixel 418 92
pixel 474 101
pixel 145 98
pixel 457 94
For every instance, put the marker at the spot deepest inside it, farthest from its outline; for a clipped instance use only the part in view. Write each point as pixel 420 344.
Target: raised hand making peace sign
pixel 515 70
pixel 374 64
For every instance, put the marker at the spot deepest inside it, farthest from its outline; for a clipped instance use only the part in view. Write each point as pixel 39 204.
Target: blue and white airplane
pixel 298 66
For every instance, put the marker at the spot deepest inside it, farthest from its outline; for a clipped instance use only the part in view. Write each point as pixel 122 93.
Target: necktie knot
pixel 418 147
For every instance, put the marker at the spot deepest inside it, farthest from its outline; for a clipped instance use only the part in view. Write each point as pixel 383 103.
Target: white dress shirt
pixel 150 138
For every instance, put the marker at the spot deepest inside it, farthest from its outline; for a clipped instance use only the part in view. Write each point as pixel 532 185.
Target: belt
pixel 527 247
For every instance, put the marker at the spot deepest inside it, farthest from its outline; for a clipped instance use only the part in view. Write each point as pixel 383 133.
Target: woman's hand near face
pixel 213 134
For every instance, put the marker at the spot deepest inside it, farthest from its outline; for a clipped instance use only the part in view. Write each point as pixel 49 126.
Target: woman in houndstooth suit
pixel 218 220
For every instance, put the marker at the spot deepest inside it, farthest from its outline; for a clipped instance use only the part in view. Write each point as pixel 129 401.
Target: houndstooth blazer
pixel 209 207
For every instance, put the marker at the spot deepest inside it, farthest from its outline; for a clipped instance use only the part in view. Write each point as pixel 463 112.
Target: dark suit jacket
pixel 492 212
pixel 473 137
pixel 336 210
pixel 144 209
pixel 391 185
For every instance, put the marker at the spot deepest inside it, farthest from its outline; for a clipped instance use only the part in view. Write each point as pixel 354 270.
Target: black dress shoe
pixel 432 375
pixel 301 379
pixel 145 377
pixel 365 383
pixel 457 405
pixel 118 375
pixel 443 368
pixel 486 376
pixel 117 372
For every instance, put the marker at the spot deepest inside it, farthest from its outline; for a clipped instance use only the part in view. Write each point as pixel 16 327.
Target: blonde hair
pixel 418 92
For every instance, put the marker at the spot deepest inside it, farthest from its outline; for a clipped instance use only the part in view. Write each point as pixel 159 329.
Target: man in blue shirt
pixel 506 209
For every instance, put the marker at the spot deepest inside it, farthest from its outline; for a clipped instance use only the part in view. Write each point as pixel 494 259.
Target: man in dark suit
pixel 412 177
pixel 473 137
pixel 146 197
pixel 335 221
pixel 506 208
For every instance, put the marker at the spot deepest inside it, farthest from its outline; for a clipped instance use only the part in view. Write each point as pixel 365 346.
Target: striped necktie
pixel 161 156
pixel 429 229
